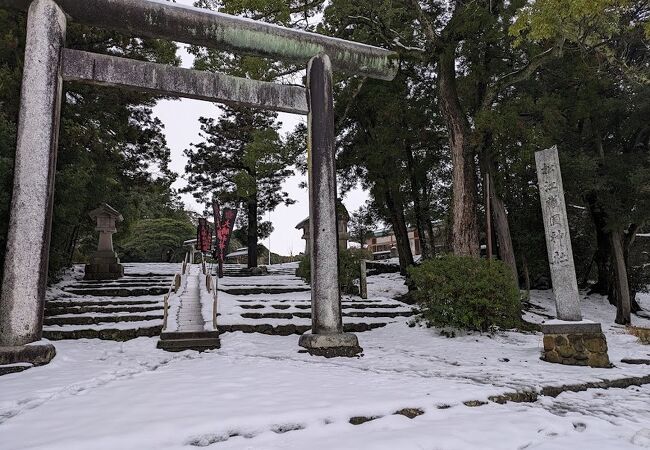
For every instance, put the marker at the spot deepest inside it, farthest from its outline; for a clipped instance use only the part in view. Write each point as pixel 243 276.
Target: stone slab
pixel 330 345
pixel 36 353
pixel 198 344
pixel 567 327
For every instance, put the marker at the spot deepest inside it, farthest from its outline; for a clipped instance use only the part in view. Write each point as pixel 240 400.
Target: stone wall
pixel 576 349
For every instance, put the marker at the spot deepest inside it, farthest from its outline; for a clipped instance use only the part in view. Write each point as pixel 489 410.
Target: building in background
pixel 383 243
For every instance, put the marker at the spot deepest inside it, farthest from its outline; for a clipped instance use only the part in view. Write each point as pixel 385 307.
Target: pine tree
pixel 242 161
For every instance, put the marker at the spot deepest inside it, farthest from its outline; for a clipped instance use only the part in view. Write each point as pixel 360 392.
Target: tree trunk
pixel 252 232
pixel 501 225
pixel 622 289
pixel 72 245
pixel 524 263
pixel 418 208
pixel 603 248
pixel 396 211
pixel 628 239
pixel 464 231
pixel 502 229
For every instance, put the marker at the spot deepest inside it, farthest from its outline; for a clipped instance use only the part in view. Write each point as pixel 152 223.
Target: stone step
pixel 111 334
pixel 289 329
pixel 57 311
pixel 124 281
pixel 308 306
pixel 263 290
pixel 96 320
pixel 179 345
pixel 176 341
pixel 307 315
pixel 120 292
pixel 189 334
pixel 6 369
pixel 152 275
pixel 88 302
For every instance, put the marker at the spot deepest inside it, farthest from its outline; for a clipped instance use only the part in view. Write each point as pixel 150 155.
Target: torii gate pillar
pixel 28 240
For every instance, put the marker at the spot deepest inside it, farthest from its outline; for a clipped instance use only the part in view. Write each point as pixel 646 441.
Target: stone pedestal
pixel 330 345
pixel 575 343
pixel 569 340
pixel 36 353
pixel 104 264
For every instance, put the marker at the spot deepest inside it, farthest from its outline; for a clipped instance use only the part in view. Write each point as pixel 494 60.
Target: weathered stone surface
pixel 642 333
pixel 144 76
pixel 28 239
pixel 325 294
pixel 577 349
pixel 411 413
pixel 210 29
pixel 199 343
pixel 36 353
pixel 558 241
pixel 330 345
pixel 562 327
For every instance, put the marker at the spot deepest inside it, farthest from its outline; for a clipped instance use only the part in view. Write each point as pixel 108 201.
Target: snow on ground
pixel 259 392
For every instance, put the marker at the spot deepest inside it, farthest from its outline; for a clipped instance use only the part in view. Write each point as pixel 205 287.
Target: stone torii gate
pixel 48 63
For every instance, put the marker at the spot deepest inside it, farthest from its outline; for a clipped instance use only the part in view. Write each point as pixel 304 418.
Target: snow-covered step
pixel 307 315
pixel 126 308
pixel 99 318
pixel 103 301
pixel 289 328
pixel 121 331
pixel 245 290
pixel 119 291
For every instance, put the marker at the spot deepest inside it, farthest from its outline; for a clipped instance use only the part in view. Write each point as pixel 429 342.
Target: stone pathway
pixel 189 316
pixel 188 330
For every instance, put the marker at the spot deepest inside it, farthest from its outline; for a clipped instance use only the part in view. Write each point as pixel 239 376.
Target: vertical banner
pixel 203 236
pixel 216 254
pixel 225 230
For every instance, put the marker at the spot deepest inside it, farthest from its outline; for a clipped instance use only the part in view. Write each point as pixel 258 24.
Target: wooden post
pixel 363 282
pixel 488 216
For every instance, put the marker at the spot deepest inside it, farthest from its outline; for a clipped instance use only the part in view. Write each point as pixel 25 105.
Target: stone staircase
pixel 119 310
pixel 280 304
pixel 277 303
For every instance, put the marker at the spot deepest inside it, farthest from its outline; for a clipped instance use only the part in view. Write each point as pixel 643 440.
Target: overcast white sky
pixel 181 120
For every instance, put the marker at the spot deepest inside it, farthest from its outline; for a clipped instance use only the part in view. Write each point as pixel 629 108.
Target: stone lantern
pixel 342 219
pixel 104 264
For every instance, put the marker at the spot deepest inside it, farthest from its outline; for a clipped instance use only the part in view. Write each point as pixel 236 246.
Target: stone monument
pixel 569 339
pixel 104 264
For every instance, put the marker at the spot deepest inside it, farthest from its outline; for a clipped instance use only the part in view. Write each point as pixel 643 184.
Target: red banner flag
pixel 203 236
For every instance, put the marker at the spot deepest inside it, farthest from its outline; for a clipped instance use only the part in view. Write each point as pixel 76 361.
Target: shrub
pixel 468 293
pixel 349 261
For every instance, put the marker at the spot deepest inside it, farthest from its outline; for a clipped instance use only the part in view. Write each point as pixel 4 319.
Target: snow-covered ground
pixel 259 392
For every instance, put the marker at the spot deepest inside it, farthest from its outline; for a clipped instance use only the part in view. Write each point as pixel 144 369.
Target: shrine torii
pixel 48 63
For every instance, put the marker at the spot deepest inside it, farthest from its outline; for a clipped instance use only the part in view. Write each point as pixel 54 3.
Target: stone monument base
pixel 575 343
pixel 331 345
pixel 104 267
pixel 36 353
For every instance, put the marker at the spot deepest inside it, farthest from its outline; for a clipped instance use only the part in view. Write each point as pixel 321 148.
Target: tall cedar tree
pixel 242 161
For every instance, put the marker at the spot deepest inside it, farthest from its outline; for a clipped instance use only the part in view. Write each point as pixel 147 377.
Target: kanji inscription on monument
pixel 558 241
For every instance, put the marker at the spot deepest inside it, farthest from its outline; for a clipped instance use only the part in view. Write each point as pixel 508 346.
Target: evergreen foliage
pixel 349 269
pixel 466 293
